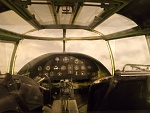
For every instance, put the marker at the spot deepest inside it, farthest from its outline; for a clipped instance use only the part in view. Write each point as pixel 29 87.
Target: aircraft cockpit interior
pixel 74 56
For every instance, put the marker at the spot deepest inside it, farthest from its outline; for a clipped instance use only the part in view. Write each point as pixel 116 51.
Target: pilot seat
pixel 119 93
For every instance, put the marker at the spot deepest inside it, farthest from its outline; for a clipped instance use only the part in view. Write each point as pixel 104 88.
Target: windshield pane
pixel 30 49
pixel 97 49
pixel 5 55
pixel 133 50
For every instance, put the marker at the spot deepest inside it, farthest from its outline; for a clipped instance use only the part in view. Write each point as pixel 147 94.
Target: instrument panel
pixel 68 67
pixel 59 66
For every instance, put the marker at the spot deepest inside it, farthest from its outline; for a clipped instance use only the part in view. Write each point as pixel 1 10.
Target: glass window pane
pixel 9 20
pixel 87 14
pixel 30 49
pixel 44 15
pixel 5 55
pixel 133 50
pixel 96 49
pixel 115 23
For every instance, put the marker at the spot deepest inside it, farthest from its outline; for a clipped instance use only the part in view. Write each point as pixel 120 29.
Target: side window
pixel 5 55
pixel 132 50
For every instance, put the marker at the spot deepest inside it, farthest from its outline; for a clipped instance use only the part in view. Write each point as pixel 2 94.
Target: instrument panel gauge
pixel 51 73
pixel 48 68
pixel 40 68
pixel 76 61
pixel 76 67
pixel 57 59
pixel 65 59
pixel 56 68
pixel 83 67
pixel 82 73
pixel 76 72
pixel 63 68
pixel 59 74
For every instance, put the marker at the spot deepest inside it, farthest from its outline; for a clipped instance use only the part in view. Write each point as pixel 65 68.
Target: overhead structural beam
pixel 135 31
pixel 23 12
pixel 9 36
pixel 85 38
pixel 65 26
pixel 63 38
pixel 6 35
pixel 106 14
pixel 54 12
pixel 43 38
pixel 15 37
pixel 77 8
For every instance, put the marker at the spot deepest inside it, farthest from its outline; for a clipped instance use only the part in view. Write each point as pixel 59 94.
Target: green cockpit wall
pixel 136 10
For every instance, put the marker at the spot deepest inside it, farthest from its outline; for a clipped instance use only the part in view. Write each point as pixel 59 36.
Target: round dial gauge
pixel 57 59
pixel 47 68
pixel 56 68
pixel 82 67
pixel 65 59
pixel 51 73
pixel 76 61
pixel 76 67
pixel 63 68
pixel 39 68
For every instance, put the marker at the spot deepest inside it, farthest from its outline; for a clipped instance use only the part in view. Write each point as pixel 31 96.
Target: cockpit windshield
pixel 124 50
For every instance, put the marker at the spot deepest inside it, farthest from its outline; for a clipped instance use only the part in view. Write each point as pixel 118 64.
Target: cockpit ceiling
pixel 43 14
pixel 76 14
pixel 89 13
pixel 68 14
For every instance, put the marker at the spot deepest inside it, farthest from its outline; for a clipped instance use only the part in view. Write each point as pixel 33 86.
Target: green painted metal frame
pixel 78 7
pixel 13 58
pixel 106 14
pixel 54 13
pixel 9 35
pixel 135 31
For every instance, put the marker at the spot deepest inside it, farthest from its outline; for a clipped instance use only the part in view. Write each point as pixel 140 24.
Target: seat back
pixel 129 93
